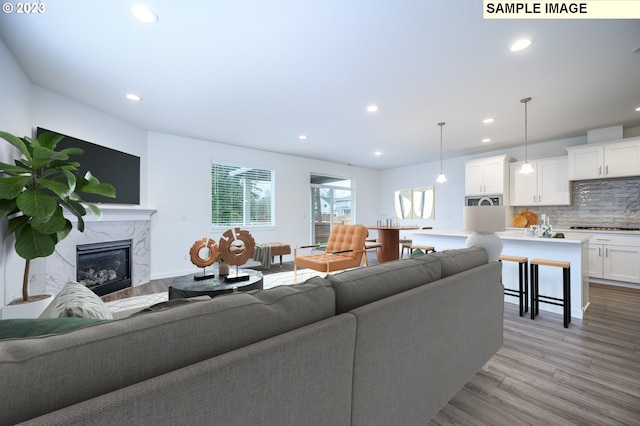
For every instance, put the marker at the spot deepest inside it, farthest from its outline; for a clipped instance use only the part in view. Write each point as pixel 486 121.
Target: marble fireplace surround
pixel 50 274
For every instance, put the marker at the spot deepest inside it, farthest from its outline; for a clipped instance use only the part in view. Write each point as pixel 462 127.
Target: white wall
pixel 180 190
pixel 449 196
pixel 14 104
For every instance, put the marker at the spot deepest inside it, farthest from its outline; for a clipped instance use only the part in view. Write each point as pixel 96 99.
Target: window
pixel 242 196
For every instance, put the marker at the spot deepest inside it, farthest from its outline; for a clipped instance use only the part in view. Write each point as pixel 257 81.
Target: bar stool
pixel 523 281
pixel 536 298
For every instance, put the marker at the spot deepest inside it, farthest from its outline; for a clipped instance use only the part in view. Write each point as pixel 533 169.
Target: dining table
pixel 389 239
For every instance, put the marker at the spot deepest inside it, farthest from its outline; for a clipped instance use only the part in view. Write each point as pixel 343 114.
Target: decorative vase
pixel 26 310
pixel 223 268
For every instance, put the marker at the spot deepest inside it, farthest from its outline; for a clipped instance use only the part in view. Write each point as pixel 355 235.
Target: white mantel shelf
pixel 573 248
pixel 113 213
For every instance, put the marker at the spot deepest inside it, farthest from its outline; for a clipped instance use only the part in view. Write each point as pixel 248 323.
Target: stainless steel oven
pixel 494 200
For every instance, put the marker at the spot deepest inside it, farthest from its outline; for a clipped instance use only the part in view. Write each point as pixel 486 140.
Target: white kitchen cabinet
pixel 614 257
pixel 614 159
pixel 487 176
pixel 548 186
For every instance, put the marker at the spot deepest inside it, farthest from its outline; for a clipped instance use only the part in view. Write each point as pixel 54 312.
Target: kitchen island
pixel 573 248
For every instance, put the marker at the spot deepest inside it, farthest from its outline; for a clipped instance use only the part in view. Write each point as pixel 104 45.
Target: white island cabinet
pixel 574 248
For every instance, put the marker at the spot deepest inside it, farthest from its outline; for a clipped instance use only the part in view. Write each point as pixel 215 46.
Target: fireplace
pixel 104 267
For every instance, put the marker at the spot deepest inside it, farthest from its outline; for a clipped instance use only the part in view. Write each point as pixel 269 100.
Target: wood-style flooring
pixel 588 374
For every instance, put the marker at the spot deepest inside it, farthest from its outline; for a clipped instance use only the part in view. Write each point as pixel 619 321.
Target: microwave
pixel 494 200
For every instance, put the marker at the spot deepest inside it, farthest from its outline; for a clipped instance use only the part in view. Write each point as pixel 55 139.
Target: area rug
pixel 270 280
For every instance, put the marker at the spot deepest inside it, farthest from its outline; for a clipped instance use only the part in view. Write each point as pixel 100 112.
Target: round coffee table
pixel 186 286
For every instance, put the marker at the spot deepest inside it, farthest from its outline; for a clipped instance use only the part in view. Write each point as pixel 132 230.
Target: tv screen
pixel 118 168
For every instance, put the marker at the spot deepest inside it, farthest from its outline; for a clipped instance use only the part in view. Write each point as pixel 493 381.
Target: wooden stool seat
pixel 523 281
pixel 536 297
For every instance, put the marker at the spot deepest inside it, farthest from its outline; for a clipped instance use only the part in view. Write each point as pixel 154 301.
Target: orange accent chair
pixel 344 250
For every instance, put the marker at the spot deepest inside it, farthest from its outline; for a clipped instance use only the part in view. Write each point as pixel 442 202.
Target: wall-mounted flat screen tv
pixel 118 168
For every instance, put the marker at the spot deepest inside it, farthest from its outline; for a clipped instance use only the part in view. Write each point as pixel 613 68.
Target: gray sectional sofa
pixel 384 345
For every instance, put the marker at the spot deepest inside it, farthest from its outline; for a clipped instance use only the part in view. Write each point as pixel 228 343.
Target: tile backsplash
pixel 599 202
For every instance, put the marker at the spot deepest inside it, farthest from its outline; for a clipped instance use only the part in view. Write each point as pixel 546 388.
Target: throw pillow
pixel 76 300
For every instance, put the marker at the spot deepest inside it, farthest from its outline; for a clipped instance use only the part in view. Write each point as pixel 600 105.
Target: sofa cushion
pixel 365 285
pixel 76 300
pixel 456 261
pixel 95 360
pixel 33 327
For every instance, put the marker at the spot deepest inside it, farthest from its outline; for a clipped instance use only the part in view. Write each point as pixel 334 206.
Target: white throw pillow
pixel 76 300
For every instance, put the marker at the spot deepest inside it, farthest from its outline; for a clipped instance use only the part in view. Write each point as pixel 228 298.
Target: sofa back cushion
pixel 98 359
pixel 460 260
pixel 365 285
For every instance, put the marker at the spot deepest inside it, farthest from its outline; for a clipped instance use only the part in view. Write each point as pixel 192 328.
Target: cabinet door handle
pixel 606 170
pixel 600 171
pixel 606 252
pixel 599 252
pixel 534 199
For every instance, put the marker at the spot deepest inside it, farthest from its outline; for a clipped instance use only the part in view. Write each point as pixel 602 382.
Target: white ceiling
pixel 258 73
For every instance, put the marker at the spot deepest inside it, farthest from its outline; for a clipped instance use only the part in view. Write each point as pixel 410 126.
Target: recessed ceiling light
pixel 638 109
pixel 372 108
pixel 144 14
pixel 377 153
pixel 488 120
pixel 486 140
pixel 521 44
pixel 133 97
pixel 302 137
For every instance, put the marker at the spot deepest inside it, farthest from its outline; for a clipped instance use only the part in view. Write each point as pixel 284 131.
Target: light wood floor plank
pixel 588 374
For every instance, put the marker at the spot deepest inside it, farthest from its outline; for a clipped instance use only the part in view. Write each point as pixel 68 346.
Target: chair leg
pixel 366 262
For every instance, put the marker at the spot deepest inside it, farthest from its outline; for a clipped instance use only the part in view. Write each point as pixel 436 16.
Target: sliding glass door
pixel 331 203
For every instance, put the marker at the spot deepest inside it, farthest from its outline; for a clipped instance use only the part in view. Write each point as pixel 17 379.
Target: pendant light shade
pixel 441 177
pixel 526 167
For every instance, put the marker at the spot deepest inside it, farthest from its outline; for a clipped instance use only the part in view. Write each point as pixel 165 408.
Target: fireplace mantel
pixel 115 214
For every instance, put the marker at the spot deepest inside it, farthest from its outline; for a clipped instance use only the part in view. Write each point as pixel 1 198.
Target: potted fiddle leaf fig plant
pixel 35 191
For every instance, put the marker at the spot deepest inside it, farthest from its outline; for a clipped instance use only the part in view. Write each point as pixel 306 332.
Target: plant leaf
pixel 94 209
pixel 62 234
pixel 104 189
pixel 60 189
pixel 36 203
pixel 50 224
pixel 49 140
pixel 31 243
pixel 18 143
pixel 18 169
pixel 8 207
pixel 11 187
pixel 15 224
pixel 43 156
pixel 74 207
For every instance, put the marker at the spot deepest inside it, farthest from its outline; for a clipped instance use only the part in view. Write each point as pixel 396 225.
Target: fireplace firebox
pixel 104 267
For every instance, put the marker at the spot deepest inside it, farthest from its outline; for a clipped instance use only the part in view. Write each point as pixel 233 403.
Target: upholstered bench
pixel 279 249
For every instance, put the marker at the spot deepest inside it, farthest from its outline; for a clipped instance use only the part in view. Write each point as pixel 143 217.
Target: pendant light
pixel 441 177
pixel 526 167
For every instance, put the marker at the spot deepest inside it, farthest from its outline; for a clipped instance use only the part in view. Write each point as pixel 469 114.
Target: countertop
pixel 571 238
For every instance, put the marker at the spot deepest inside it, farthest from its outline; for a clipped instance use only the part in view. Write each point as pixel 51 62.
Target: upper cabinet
pixel 614 159
pixel 487 176
pixel 548 186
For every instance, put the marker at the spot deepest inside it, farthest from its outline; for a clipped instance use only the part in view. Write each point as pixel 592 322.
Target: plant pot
pixel 26 310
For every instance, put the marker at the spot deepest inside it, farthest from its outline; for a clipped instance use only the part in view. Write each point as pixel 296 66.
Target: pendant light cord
pixel 525 101
pixel 441 124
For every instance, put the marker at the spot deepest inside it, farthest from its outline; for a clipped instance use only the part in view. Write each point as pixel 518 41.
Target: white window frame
pixel 245 192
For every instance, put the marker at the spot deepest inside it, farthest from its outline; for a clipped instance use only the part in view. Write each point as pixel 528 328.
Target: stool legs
pixel 565 302
pixel 523 282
